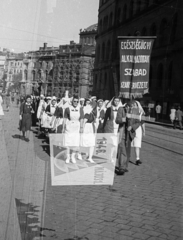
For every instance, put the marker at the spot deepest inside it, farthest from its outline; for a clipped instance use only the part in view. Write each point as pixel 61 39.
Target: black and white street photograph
pixel 91 120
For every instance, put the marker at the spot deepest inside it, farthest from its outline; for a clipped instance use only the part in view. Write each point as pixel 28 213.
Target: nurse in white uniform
pixel 110 126
pixel 88 136
pixel 72 127
pixel 1 108
pixel 137 141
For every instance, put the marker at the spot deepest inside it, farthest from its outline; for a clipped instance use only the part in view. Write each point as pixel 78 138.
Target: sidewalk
pixel 161 123
pixel 9 226
pixel 28 177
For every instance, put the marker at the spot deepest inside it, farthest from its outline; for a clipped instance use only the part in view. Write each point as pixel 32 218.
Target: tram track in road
pixel 173 144
pixel 163 147
pixel 181 144
pixel 162 131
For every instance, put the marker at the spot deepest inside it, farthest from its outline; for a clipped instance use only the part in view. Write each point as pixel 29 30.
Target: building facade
pixel 160 18
pixel 14 70
pixel 73 68
pixel 53 70
pixel 39 69
pixel 87 36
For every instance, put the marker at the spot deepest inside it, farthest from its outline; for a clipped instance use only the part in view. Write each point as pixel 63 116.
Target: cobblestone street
pixel 145 203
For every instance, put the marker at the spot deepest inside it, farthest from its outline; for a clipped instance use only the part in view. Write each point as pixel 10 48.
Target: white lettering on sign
pixel 138 45
pixel 134 85
pixel 135 72
pixel 135 59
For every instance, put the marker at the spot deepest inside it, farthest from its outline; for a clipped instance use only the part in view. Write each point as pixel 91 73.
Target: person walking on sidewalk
pixel 1 108
pixel 26 118
pixel 172 114
pixel 8 101
pixel 178 118
pixel 158 111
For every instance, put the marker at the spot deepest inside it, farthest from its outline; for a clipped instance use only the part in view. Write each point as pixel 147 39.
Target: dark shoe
pixel 126 170
pixel 27 139
pixel 140 162
pixel 121 171
pixel 22 137
pixel 137 162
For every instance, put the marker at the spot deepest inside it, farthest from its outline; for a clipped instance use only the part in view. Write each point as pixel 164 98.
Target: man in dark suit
pixel 128 123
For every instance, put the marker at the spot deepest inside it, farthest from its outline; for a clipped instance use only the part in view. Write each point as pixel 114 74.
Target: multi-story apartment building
pixel 73 66
pixel 14 69
pixel 53 70
pixel 39 69
pixel 160 18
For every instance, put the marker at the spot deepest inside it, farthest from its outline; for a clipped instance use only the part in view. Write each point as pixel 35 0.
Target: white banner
pixel 73 165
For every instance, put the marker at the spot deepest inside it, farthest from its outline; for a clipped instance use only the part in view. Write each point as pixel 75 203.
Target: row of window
pixel 15 71
pixel 18 64
pixel 165 35
pixel 87 40
pixel 128 11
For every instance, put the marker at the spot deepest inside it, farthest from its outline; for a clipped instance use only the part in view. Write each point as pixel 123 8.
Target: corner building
pixel 160 18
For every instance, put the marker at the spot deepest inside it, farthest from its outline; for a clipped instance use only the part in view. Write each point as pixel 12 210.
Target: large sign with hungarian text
pixel 134 65
pixel 70 165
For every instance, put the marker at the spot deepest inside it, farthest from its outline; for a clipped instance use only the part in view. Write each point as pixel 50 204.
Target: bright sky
pixel 26 24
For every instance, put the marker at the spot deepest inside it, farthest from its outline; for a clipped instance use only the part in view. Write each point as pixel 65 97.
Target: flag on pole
pixel 135 53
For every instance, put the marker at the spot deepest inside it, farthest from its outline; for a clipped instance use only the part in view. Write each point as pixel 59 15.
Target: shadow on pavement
pixel 17 136
pixel 29 222
pixel 46 148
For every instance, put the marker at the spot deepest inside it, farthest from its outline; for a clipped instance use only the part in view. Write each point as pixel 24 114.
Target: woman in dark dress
pixel 26 110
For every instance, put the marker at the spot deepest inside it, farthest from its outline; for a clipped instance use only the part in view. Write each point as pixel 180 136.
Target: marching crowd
pixel 80 119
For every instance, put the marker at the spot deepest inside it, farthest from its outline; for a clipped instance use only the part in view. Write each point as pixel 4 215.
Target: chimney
pixel 45 46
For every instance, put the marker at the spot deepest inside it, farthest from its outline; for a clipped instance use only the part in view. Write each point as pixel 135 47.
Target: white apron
pixel 72 129
pixel 137 141
pixel 112 127
pixel 47 119
pixel 1 108
pixel 88 136
pixel 99 123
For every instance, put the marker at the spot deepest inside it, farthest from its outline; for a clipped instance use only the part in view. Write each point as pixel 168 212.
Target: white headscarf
pixel 110 103
pixel 140 108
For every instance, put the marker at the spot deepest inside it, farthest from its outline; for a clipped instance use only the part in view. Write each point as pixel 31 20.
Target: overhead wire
pixel 34 33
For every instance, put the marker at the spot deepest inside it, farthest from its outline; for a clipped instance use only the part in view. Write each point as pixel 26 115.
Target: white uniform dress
pixel 172 114
pixel 112 127
pixel 1 108
pixel 88 136
pixel 43 115
pixel 46 118
pixel 72 128
pixel 137 141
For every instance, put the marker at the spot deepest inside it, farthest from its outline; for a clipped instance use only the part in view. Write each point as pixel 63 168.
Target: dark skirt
pixel 26 122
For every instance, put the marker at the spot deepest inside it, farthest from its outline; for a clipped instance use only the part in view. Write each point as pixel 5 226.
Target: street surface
pixel 145 203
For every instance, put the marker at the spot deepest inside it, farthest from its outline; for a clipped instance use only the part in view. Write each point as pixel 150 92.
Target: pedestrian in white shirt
pixel 158 111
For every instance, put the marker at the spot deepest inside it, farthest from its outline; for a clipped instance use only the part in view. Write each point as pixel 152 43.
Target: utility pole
pixel 53 75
